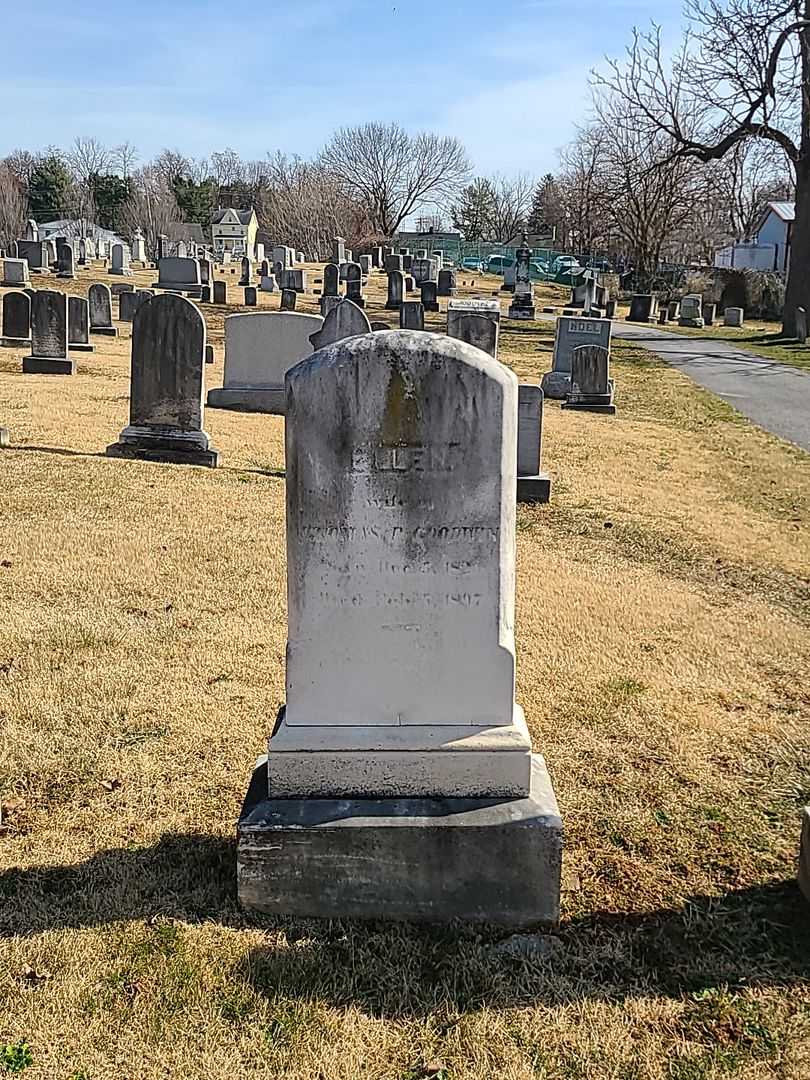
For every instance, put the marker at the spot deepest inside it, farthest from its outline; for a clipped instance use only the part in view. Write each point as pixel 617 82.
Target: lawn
pixel 664 666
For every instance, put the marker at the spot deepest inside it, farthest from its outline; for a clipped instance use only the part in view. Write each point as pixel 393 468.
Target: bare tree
pixel 750 175
pixel 22 163
pixel 151 206
pixel 171 164
pixel 393 173
pixel 581 190
pixel 13 205
pixel 511 205
pixel 742 72
pixel 125 156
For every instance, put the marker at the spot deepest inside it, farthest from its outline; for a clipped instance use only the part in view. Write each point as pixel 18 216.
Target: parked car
pixel 564 263
pixel 496 264
pixel 472 264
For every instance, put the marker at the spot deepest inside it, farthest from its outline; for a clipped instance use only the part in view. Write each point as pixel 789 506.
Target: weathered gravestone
pixel 121 287
pixel 392 263
pixel 673 310
pixel 447 283
pixel 421 270
pixel 338 250
pixel 120 261
pixel 294 279
pixel 399 781
pixel 16 319
pixel 533 485
pixel 457 309
pixel 180 275
pixel 267 283
pixel 733 316
pixel 522 306
pixel 49 335
pixel 139 247
pixel 477 330
pixel 428 295
pixel 36 253
pixel 79 324
pixel 591 386
pixel 326 303
pixel 259 350
pixel 331 280
pixel 708 314
pixel 220 292
pixel 205 294
pixel 691 313
pixel 412 315
pixel 663 316
pixel 572 332
pixel 345 320
pixel 15 273
pixel 166 385
pixel 365 264
pixel 99 299
pixel 410 284
pixel 643 307
pixel 396 290
pixel 65 262
pixel 129 303
pixel 288 298
pixel 354 284
pixel 206 271
pixel 251 296
pixel 247 272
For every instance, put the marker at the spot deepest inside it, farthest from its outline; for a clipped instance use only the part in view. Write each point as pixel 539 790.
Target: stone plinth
pixel 533 485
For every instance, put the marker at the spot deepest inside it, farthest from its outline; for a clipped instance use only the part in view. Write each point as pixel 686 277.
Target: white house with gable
pixel 234 231
pixel 770 250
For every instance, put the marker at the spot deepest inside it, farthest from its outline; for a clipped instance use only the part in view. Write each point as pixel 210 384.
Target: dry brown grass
pixel 663 665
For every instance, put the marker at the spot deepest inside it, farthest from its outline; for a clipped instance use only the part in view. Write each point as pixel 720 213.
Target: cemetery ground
pixel 759 337
pixel 663 663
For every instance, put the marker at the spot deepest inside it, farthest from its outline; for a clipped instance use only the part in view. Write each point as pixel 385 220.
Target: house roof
pixel 243 215
pixel 785 210
pixel 187 231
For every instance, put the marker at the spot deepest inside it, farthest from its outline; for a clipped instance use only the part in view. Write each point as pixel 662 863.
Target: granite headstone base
pixel 152 444
pixel 415 859
pixel 248 399
pixel 107 331
pixel 192 289
pixel 48 365
pixel 599 403
pixel 534 489
pixel 15 342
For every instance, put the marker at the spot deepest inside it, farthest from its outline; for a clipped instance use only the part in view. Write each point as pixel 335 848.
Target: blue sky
pixel 509 79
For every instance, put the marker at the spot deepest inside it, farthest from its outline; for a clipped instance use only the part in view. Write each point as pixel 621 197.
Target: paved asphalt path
pixel 775 396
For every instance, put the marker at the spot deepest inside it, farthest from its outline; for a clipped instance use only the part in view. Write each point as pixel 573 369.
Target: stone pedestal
pixel 413 859
pixel 48 365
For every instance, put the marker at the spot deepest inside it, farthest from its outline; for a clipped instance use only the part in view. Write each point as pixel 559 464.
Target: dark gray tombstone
pixel 167 384
pixel 393 262
pixel 673 310
pixel 162 246
pixel 354 284
pixel 65 260
pixel 709 313
pixel 205 294
pixel 478 330
pixel 331 280
pixel 209 354
pixel 447 283
pixel 326 303
pixel 35 252
pixel 407 261
pixel 412 315
pixel 378 324
pixel 129 303
pixel 801 324
pixel 99 299
pixel 643 307
pixel 49 335
pixel 16 319
pixel 663 316
pixel 591 386
pixel 251 296
pixel 610 309
pixel 429 295
pixel 220 292
pixel 79 324
pixel 410 284
pixel 533 485
pixel 247 272
pixel 288 297
pixel 522 306
pixel 345 320
pixel 396 290
pixel 121 287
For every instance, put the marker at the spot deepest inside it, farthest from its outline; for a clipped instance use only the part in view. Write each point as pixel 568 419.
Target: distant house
pixel 74 228
pixel 190 232
pixel 770 249
pixel 234 231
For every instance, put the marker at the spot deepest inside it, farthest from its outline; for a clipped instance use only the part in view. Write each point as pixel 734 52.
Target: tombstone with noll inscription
pixel 400 781
pixel 259 350
pixel 16 320
pixel 571 332
pixel 591 386
pixel 99 299
pixel 533 485
pixel 49 335
pixel 167 385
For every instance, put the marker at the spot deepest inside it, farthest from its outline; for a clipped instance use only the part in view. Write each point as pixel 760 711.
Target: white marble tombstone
pixel 120 260
pixel 400 781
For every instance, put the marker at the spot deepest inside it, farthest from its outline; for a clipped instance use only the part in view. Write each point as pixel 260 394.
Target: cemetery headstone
pixel 643 308
pixel 412 315
pixel 457 309
pixel 130 303
pixel 663 316
pixel 331 280
pixel 209 354
pixel 267 283
pixel 220 291
pixel 691 314
pixel 139 247
pixel 294 279
pixel 345 320
pixel 205 294
pixel 36 253
pixel 49 335
pixel 31 230
pixel 247 272
pixel 572 332
pixel 733 316
pixel 162 246
pixel 410 284
pixel 533 485
pixel 354 284
pixel 673 310
pixel 365 264
pixel 120 261
pixel 99 299
pixel 79 324
pixel 326 304
pixel 338 250
pixel 400 736
pixel 65 267
pixel 179 274
pixel 477 330
pixel 421 270
pixel 16 319
pixel 167 382
pixel 396 290
pixel 428 293
pixel 377 258
pixel 591 386
pixel 407 261
pixel 522 306
pixel 447 283
pixel 121 287
pixel 708 314
pixel 288 298
pixel 251 296
pixel 392 263
pixel 15 273
pixel 259 350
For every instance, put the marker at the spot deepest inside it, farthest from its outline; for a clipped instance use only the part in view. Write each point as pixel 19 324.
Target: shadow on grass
pixel 758 936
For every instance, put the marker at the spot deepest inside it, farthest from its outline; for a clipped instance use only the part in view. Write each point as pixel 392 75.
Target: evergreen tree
pixel 109 193
pixel 49 189
pixel 196 200
pixel 473 213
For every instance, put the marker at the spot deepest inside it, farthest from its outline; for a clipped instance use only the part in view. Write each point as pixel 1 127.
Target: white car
pixel 564 262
